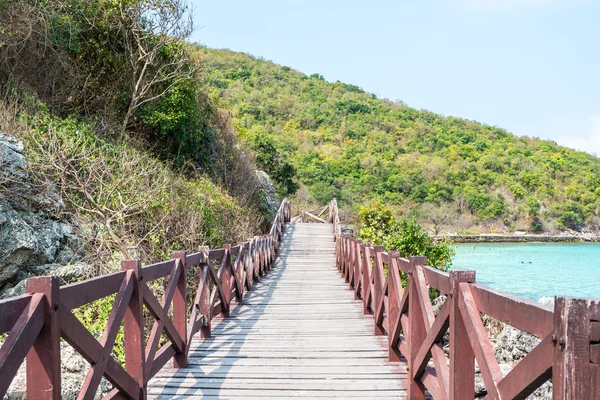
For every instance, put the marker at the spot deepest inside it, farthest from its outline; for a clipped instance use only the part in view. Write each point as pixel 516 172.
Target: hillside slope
pixel 115 143
pixel 450 172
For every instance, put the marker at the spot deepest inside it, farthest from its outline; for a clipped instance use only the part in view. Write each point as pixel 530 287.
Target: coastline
pixel 497 238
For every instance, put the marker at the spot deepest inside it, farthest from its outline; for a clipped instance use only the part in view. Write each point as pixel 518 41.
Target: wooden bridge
pixel 302 312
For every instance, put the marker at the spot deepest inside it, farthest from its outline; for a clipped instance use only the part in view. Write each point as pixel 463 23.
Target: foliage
pixel 380 227
pixel 275 161
pixel 346 142
pixel 124 61
pixel 94 317
pixel 125 202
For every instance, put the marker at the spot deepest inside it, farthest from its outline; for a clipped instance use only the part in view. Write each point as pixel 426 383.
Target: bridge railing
pixel 396 291
pixel 36 322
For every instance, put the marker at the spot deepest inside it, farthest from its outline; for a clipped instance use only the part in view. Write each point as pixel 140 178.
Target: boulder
pixel 29 239
pixel 267 192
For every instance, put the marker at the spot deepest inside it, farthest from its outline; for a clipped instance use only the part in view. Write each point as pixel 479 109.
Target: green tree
pixel 380 227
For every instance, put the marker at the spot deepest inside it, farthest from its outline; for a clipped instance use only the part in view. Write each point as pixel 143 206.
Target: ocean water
pixel 534 270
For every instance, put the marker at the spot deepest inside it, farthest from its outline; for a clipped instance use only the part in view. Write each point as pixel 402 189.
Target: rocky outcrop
pixel 267 193
pixel 30 239
pixel 493 238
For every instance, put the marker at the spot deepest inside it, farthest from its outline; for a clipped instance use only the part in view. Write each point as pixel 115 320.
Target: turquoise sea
pixel 534 270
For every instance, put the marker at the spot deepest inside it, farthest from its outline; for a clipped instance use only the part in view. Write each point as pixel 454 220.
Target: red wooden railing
pixel 569 351
pixel 37 321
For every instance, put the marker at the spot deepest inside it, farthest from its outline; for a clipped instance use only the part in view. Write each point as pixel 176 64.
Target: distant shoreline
pixel 491 238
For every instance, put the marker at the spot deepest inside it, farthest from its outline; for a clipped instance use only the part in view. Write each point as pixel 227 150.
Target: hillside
pixel 119 159
pixel 453 174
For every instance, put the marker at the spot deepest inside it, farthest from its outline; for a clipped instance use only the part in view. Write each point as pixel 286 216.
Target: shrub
pixel 380 227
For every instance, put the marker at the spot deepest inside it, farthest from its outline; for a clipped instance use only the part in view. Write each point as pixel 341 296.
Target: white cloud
pixel 589 142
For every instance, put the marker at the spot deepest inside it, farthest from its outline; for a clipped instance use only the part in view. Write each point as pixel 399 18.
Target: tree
pixel 154 32
pixel 380 227
pixel 439 215
pixel 275 162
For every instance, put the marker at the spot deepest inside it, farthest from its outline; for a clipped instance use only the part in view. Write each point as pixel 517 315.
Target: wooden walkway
pixel 299 333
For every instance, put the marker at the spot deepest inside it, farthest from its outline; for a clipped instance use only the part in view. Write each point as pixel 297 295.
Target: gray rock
pixel 13 165
pixel 267 192
pixel 437 303
pixel 547 301
pixel 29 239
pixel 512 345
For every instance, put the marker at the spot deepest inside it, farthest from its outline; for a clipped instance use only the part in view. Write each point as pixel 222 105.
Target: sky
pixel 529 66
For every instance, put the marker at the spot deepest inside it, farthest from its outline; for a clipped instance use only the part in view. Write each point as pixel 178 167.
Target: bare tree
pixel 439 215
pixel 155 27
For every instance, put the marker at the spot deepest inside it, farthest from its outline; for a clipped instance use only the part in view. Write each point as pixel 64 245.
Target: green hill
pixel 337 140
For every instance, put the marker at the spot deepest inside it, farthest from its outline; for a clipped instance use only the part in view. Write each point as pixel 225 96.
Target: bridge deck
pixel 298 333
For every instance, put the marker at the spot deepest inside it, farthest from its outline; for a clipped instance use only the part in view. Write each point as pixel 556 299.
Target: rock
pixel 512 345
pixel 267 192
pixel 11 290
pixel 547 301
pixel 437 303
pixel 13 165
pixel 29 239
pixel 492 326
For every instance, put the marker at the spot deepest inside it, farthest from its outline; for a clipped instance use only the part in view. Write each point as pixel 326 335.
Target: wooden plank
pixel 80 293
pixel 301 321
pixel 188 393
pixel 10 311
pixel 520 313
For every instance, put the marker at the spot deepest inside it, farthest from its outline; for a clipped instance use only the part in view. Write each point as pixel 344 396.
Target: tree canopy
pixel 342 141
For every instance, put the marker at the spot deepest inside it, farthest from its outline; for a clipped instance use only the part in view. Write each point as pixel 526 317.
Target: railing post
pixel 257 257
pixel 379 283
pixel 204 306
pixel 417 330
pixel 342 240
pixel 576 369
pixel 352 264
pixel 133 328
pixel 462 358
pixel 342 255
pixel 394 288
pixel 179 311
pixel 366 275
pixel 226 280
pixel 43 359
pixel 357 270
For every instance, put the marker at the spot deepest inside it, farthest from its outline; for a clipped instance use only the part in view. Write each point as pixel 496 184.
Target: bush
pixel 127 203
pixel 379 227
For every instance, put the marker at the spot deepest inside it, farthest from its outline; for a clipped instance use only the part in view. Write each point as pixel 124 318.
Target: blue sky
pixel 529 66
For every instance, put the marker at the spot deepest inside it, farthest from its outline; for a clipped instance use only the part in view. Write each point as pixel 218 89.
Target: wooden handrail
pixel 37 321
pixel 569 351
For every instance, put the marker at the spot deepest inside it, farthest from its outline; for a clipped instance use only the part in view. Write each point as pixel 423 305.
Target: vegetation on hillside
pixel 107 97
pixel 449 173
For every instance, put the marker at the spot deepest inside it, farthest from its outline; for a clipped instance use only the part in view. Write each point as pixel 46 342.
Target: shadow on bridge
pixel 214 361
